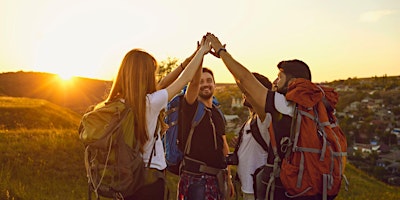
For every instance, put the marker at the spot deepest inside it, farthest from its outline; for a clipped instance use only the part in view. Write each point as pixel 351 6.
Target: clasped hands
pixel 213 44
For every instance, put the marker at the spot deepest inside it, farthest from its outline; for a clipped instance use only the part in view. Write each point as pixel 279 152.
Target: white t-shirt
pixel 251 154
pixel 155 103
pixel 282 105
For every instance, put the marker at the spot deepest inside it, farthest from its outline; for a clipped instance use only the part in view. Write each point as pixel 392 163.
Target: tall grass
pixel 41 164
pixel 48 164
pixel 363 186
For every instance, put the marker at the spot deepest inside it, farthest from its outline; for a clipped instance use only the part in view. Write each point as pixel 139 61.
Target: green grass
pixel 16 113
pixel 363 186
pixel 40 163
pixel 48 164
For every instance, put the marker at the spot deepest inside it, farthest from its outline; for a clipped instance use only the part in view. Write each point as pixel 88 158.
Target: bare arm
pixel 262 114
pixel 190 70
pixel 173 75
pixel 255 92
pixel 193 89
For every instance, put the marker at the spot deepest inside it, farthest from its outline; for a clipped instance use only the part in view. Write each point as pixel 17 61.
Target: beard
pixel 283 89
pixel 207 95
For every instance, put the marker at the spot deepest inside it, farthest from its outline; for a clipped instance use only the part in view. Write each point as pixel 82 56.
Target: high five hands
pixel 212 43
pixel 216 45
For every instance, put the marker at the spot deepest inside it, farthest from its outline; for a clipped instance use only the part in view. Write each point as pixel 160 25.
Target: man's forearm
pixel 249 85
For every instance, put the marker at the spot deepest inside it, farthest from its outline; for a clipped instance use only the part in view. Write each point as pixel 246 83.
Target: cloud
pixel 374 16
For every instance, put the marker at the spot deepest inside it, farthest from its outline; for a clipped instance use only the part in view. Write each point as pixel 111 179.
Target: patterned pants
pixel 211 186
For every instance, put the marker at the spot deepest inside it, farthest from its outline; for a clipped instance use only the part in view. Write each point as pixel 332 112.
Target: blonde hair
pixel 136 78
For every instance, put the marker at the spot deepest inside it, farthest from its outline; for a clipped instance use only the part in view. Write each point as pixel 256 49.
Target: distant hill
pixel 79 93
pixel 76 94
pixel 27 113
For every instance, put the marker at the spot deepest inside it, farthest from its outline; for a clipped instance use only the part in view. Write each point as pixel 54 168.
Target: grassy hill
pixel 41 154
pixel 17 113
pixel 46 162
pixel 76 94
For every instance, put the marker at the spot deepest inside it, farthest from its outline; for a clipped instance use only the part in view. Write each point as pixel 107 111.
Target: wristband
pixel 221 49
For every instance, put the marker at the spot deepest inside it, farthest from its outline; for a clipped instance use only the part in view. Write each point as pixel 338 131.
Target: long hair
pixel 136 78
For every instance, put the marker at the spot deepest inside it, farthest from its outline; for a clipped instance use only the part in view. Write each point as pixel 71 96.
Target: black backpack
pixel 255 131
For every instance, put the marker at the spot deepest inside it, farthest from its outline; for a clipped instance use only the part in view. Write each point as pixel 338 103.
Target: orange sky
pixel 337 39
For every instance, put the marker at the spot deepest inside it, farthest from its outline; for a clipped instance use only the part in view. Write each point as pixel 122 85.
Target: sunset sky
pixel 338 39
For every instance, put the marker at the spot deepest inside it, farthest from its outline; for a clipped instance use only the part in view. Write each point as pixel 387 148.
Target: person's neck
pixel 252 113
pixel 206 102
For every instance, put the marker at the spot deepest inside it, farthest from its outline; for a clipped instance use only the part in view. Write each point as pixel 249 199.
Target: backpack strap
pixel 153 150
pixel 198 116
pixel 275 166
pixel 255 131
pixel 287 144
pixel 220 112
pixel 240 138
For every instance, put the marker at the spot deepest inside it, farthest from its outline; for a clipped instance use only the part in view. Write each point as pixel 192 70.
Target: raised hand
pixel 215 44
pixel 205 45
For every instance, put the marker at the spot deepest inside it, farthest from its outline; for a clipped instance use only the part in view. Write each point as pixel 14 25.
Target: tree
pixel 166 66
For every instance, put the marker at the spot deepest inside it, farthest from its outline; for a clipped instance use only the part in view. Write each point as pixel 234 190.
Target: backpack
pixel 264 176
pixel 232 158
pixel 260 174
pixel 174 142
pixel 255 131
pixel 114 165
pixel 316 150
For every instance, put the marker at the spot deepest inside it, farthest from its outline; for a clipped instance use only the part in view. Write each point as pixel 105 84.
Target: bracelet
pixel 221 49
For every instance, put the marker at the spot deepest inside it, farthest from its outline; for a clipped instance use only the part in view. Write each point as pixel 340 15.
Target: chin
pixel 206 96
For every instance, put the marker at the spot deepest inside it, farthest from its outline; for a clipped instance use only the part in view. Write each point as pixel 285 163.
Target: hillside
pixel 42 162
pixel 17 113
pixel 76 94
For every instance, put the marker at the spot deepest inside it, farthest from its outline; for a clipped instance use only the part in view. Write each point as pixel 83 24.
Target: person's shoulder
pixel 158 96
pixel 186 105
pixel 266 121
pixel 157 93
pixel 282 105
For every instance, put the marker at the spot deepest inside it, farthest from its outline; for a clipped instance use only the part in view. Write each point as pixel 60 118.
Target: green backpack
pixel 114 165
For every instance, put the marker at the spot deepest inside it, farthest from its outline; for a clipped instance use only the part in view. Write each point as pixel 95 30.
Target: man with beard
pixel 204 172
pixel 264 100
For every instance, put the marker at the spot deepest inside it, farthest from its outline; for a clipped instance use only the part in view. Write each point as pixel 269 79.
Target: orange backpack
pixel 315 157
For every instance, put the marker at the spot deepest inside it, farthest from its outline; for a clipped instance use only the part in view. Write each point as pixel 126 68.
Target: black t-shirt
pixel 280 122
pixel 203 142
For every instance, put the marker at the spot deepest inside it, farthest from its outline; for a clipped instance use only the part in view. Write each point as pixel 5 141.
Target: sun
pixel 65 76
pixel 66 79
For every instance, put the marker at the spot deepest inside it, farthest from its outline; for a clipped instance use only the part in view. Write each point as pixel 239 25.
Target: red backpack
pixel 315 157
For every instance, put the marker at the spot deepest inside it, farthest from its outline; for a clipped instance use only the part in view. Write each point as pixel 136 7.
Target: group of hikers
pixel 205 172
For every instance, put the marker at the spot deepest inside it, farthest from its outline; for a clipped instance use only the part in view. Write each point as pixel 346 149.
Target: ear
pixel 291 80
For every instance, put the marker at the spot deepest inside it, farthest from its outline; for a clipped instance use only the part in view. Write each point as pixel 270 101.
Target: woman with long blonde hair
pixel 136 85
